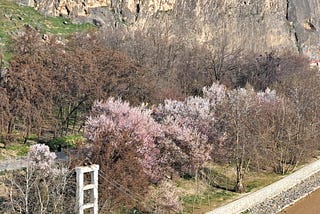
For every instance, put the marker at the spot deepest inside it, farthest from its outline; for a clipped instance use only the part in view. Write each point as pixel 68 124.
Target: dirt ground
pixel 307 205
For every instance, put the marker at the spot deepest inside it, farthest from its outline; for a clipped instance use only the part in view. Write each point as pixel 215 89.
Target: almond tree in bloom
pixel 132 124
pixel 124 144
pixel 166 197
pixel 194 122
pixel 186 126
pixel 185 149
pixel 159 148
pixel 215 93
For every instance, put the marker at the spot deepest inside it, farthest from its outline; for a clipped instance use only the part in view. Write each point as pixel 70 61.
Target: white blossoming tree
pixel 42 187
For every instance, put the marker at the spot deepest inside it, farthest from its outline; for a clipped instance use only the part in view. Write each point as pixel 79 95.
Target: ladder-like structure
pixel 92 187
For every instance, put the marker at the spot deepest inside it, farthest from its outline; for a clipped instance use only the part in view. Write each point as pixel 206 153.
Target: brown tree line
pixel 50 86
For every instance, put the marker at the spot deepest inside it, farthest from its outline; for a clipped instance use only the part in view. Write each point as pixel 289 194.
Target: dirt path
pixel 308 205
pixel 14 164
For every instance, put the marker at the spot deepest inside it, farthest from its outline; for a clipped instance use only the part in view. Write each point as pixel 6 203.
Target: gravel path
pixel 286 198
pixel 12 164
pixel 20 163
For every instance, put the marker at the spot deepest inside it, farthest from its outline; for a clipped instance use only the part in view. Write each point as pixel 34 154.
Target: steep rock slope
pixel 304 18
pixel 253 25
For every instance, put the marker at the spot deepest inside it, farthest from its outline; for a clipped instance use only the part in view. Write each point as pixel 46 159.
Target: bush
pixel 66 142
pixel 21 150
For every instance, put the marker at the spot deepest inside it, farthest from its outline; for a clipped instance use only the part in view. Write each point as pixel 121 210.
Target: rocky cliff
pixel 253 25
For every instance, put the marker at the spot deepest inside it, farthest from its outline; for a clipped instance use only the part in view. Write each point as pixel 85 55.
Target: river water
pixel 307 205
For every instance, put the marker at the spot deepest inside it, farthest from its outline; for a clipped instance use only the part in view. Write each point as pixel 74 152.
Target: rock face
pixel 81 7
pixel 253 25
pixel 304 16
pixel 70 8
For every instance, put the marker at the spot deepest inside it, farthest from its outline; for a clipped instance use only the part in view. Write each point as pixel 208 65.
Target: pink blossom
pixel 117 118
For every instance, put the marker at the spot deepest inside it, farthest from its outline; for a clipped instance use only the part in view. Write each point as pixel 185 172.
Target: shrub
pixel 21 150
pixel 124 144
pixel 66 142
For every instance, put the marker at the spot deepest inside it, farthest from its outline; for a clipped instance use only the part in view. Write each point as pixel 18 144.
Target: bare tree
pixel 296 122
pixel 223 60
pixel 43 187
pixel 241 117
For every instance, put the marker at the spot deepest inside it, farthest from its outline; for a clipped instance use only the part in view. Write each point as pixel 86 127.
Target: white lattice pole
pixel 30 3
pixel 92 187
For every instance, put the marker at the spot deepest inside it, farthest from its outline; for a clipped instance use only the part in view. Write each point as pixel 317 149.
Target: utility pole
pixel 92 187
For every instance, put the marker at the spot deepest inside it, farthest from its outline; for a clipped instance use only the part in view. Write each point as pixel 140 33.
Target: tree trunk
pixel 239 185
pixel 10 125
pixel 75 121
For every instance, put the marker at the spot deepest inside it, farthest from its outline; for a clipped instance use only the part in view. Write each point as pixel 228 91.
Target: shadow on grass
pixel 218 180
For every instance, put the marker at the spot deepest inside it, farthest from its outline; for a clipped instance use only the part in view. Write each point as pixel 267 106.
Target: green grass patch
pixel 214 197
pixel 210 198
pixel 216 187
pixel 20 149
pixel 32 137
pixel 258 180
pixel 65 142
pixel 21 139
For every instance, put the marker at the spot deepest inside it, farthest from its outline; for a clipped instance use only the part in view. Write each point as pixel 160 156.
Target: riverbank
pixel 289 197
pixel 277 196
pixel 307 205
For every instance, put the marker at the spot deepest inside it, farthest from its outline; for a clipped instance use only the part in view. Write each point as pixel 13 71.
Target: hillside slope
pixel 14 17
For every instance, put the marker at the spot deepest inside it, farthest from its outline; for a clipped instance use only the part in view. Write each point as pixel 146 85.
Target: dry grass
pixel 202 196
pixel 7 154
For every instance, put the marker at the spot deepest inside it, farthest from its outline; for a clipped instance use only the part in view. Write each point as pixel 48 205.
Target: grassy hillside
pixel 13 17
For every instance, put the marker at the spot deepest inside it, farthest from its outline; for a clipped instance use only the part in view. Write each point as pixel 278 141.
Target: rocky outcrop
pixel 75 8
pixel 304 18
pixel 253 25
pixel 70 8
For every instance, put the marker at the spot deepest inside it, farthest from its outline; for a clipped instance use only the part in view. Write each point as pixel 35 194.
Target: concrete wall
pixel 270 191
